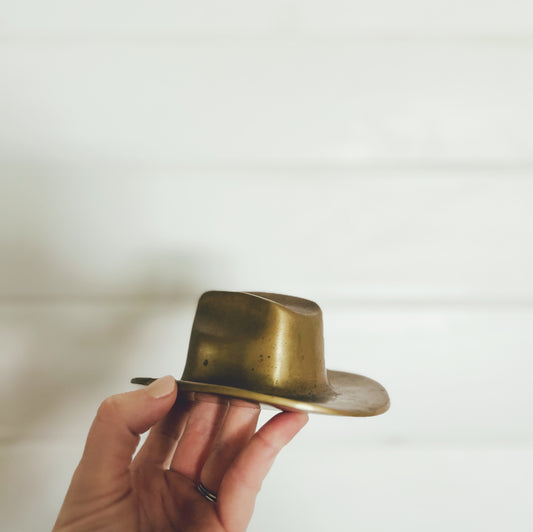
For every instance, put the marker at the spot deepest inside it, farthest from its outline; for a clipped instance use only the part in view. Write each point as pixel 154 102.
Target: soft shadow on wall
pixel 66 340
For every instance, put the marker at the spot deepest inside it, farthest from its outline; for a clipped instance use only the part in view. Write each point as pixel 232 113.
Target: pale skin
pixel 192 439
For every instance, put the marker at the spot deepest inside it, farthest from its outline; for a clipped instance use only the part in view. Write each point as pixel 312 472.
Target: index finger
pixel 163 438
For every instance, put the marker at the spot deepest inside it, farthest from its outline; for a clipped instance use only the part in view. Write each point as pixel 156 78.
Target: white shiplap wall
pixel 376 158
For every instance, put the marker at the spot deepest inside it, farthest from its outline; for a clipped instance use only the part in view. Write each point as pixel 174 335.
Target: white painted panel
pixel 454 373
pixel 455 376
pixel 324 487
pixel 447 236
pixel 413 488
pixel 266 101
pixel 119 17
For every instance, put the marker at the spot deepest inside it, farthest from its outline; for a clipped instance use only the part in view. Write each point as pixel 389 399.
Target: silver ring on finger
pixel 206 493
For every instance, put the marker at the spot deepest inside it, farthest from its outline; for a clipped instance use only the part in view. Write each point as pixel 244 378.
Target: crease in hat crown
pixel 269 343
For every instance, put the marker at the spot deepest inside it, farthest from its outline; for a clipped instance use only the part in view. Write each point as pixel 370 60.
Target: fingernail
pixel 162 387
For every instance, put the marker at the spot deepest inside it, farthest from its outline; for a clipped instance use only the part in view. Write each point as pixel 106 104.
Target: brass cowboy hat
pixel 269 348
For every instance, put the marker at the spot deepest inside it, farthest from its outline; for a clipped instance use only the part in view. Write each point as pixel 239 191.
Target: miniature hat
pixel 269 348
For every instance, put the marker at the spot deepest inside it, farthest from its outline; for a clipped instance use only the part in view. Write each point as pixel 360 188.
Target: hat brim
pixel 354 395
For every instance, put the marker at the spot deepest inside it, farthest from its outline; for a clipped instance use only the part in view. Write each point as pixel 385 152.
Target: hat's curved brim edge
pixel 354 395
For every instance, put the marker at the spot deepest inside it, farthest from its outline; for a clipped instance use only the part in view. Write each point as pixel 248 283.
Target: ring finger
pixel 204 421
pixel 238 427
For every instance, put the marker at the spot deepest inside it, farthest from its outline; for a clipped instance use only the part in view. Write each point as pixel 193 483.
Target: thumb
pixel 114 434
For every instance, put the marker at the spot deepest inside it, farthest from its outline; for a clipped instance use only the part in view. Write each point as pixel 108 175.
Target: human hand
pixel 205 439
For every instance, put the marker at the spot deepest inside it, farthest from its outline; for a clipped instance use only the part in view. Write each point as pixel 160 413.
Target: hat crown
pixel 268 343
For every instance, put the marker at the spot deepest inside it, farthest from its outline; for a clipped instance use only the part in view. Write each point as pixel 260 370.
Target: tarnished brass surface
pixel 269 348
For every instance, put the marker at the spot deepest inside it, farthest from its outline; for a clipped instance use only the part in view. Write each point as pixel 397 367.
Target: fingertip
pixel 295 418
pixel 298 421
pixel 162 387
pixel 303 417
pixel 284 426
